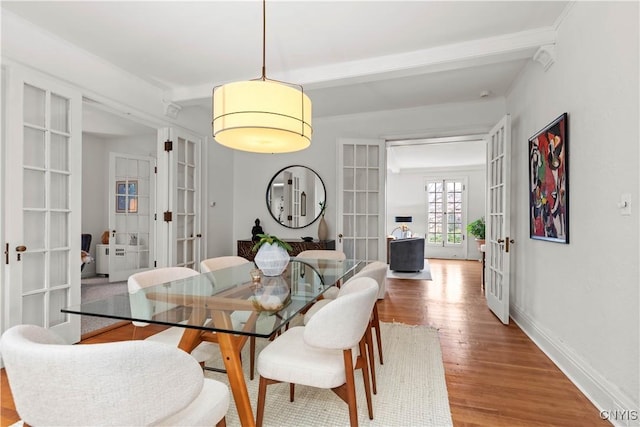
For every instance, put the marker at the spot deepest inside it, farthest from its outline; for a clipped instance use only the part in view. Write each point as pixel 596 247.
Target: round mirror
pixel 295 196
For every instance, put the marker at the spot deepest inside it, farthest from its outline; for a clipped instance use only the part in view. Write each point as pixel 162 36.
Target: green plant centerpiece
pixel 476 229
pixel 272 257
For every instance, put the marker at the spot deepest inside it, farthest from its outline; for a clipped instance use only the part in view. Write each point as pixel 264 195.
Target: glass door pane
pixel 130 211
pixel 186 238
pixel 46 206
pixel 360 200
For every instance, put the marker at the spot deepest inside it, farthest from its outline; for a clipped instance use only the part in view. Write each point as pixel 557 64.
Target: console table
pixel 297 246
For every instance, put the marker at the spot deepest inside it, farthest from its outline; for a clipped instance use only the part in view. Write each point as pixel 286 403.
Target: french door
pixel 179 222
pixel 361 199
pixel 498 238
pixel 131 215
pixel 43 167
pixel 446 209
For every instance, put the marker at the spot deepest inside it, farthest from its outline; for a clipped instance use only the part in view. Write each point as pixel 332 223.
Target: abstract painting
pixel 549 182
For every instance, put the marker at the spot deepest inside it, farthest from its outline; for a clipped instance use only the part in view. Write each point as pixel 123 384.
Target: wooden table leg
pixel 230 350
pixel 191 338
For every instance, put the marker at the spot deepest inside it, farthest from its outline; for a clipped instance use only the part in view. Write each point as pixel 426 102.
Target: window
pixel 444 212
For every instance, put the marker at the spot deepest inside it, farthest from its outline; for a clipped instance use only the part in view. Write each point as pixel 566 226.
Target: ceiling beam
pixel 508 47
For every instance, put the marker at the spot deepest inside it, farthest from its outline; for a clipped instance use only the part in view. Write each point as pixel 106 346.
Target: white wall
pixel 252 172
pixel 95 181
pixel 28 45
pixel 406 196
pixel 580 301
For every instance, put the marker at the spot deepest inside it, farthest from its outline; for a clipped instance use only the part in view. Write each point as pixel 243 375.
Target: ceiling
pixel 351 56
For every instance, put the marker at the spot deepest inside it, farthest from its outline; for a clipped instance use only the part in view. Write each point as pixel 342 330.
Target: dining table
pixel 228 307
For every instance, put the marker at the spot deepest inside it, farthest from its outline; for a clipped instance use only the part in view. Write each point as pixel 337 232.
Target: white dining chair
pixel 238 317
pixel 330 254
pixel 142 307
pixel 376 270
pixel 126 383
pixel 218 263
pixel 325 352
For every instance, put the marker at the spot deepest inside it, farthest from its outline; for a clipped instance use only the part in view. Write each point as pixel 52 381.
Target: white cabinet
pixel 102 260
pixel 123 258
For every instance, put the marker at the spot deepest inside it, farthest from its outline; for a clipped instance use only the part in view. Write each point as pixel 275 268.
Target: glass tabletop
pixel 251 308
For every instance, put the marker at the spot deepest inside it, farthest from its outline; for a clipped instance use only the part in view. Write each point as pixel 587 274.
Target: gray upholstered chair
pixel 142 307
pixel 127 383
pixel 325 352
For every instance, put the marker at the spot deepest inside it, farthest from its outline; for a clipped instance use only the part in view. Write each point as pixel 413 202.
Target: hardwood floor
pixel 495 375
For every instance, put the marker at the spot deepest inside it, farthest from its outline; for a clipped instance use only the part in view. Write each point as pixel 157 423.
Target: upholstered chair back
pixel 119 383
pixel 141 306
pixel 322 254
pixel 341 323
pixel 218 263
pixel 377 270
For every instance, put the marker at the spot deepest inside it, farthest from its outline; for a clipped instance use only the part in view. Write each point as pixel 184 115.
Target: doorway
pixel 105 133
pixel 438 216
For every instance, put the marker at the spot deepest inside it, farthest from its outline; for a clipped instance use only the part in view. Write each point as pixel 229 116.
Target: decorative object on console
pixel 406 254
pixel 323 229
pixel 307 239
pixel 272 257
pixel 244 247
pixel 262 115
pixel 257 229
pixel 549 182
pixel 402 231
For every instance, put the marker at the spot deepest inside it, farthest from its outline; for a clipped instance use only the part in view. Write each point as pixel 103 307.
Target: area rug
pixel 93 289
pixel 411 388
pixel 424 274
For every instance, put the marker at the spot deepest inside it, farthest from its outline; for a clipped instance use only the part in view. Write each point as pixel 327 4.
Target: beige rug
pixel 411 388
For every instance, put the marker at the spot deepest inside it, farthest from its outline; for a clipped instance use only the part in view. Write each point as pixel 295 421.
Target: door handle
pixel 507 241
pixel 340 238
pixel 20 249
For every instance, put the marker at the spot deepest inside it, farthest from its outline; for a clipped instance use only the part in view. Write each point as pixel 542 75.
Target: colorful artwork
pixel 549 182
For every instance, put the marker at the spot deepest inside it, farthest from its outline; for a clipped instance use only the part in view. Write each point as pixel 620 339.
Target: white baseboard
pixel 601 392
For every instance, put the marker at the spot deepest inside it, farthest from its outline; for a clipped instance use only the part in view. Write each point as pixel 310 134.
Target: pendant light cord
pixel 264 37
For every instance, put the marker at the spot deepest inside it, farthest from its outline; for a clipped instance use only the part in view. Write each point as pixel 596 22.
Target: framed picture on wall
pixel 126 196
pixel 549 182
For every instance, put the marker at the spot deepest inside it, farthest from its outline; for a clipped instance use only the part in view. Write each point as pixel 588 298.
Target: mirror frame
pixel 307 211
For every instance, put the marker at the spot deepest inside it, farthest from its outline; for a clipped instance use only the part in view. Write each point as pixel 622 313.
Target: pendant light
pixel 262 115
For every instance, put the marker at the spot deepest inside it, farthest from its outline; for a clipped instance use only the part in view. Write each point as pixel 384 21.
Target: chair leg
pixel 262 391
pixel 292 391
pixel 252 356
pixel 351 388
pixel 362 363
pixel 369 357
pixel 376 324
pixel 222 422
